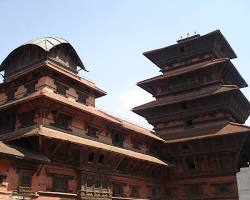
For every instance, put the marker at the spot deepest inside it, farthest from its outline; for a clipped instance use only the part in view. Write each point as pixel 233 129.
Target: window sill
pixel 127 198
pixel 46 193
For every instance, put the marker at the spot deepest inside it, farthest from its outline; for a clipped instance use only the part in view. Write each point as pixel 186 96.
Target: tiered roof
pixel 162 57
pixel 191 60
pixel 58 57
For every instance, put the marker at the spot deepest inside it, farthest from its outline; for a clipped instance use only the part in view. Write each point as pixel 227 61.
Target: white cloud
pixel 134 97
pixel 123 104
pixel 130 99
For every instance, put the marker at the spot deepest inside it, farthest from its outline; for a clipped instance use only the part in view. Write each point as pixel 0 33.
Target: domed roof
pixel 49 47
pixel 47 43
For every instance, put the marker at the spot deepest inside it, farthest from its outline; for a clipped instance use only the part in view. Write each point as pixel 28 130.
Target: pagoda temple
pixel 55 144
pixel 199 111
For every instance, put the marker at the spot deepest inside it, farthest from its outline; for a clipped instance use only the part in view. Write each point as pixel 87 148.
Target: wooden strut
pixel 56 149
pixel 118 161
pixel 39 169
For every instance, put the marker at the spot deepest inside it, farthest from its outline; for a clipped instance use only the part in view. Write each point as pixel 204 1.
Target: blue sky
pixel 110 37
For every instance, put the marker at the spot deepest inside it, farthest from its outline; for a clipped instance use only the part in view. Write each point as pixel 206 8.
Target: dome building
pixel 54 142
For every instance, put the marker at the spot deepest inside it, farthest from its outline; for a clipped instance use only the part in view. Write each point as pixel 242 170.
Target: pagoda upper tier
pixel 40 49
pixel 198 86
pixel 49 56
pixel 190 50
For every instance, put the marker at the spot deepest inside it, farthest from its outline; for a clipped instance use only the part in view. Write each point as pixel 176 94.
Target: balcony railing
pixel 22 189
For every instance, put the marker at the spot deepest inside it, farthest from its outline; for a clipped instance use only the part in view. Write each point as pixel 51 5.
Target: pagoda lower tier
pixel 58 147
pixel 68 166
pixel 206 166
pixel 187 114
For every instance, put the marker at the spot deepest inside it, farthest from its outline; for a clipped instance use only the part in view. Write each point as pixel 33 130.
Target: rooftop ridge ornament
pixel 188 37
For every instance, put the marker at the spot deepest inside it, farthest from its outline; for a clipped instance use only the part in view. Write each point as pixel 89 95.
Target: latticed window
pixel 170 193
pixel 26 119
pixel 92 131
pixel 10 95
pixel 61 89
pixel 118 189
pixel 189 123
pixel 63 121
pixel 105 183
pixel 185 83
pixel 30 88
pixel 97 182
pixel 90 181
pixel 91 157
pixel 101 159
pixel 60 183
pixel 7 121
pixel 117 139
pixel 82 98
pixel 134 191
pixel 25 179
pixel 153 192
pixel 136 144
pixel 194 190
pixel 223 188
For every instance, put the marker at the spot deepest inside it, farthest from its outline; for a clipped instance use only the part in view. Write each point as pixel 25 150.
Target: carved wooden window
pixel 134 191
pixel 90 181
pixel 136 144
pixel 118 189
pixel 153 192
pixel 26 119
pixel 213 162
pixel 152 149
pixel 10 95
pixel 30 88
pixel 105 183
pixel 101 159
pixel 190 165
pixel 82 98
pixel 189 123
pixel 60 183
pixel 185 147
pixel 183 83
pixel 97 182
pixel 202 164
pixel 223 188
pixel 63 121
pixel 227 160
pixel 194 190
pixel 25 179
pixel 91 157
pixel 170 193
pixel 92 132
pixel 61 89
pixel 117 139
pixel 7 121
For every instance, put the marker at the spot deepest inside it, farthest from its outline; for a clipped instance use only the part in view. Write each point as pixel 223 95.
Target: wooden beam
pixel 104 127
pixel 39 169
pixel 118 161
pixel 40 140
pixel 134 165
pixel 56 148
pixel 50 143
